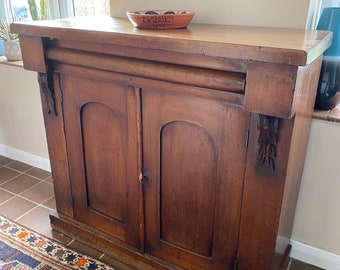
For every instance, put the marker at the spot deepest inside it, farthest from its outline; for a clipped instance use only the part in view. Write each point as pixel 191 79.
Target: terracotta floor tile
pixel 298 265
pixel 5 195
pixel 7 174
pixel 47 232
pixel 50 203
pixel 49 179
pixel 38 173
pixel 37 219
pixel 20 183
pixel 19 166
pixel 4 160
pixel 15 207
pixel 39 192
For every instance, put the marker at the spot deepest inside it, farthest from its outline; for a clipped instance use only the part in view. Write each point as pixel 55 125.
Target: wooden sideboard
pixel 176 149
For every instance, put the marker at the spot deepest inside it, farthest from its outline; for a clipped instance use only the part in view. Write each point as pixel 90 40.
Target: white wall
pixel 275 13
pixel 317 219
pixel 22 134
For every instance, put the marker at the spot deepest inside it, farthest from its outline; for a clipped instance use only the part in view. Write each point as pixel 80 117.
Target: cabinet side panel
pixel 306 86
pixel 262 200
pixel 54 125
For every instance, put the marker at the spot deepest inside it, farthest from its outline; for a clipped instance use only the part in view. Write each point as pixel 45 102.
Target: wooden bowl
pixel 160 19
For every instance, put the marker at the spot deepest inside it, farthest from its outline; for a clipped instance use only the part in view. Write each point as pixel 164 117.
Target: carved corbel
pixel 47 89
pixel 268 128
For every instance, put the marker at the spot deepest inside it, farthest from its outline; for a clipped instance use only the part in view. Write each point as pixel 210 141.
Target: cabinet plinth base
pixel 108 245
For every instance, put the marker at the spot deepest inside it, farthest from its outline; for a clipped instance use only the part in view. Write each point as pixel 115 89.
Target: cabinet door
pixel 194 160
pixel 101 134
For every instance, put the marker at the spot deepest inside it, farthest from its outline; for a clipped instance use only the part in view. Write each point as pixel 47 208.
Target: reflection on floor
pixel 26 196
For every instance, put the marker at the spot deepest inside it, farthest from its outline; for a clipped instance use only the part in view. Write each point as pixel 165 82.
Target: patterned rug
pixel 23 249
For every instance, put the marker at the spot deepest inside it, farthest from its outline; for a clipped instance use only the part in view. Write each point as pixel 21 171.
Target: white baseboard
pixel 25 157
pixel 314 256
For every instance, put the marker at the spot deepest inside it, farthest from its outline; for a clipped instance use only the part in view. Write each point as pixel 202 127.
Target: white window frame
pixel 57 9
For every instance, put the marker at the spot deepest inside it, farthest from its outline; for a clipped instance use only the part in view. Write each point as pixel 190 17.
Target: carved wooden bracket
pixel 266 153
pixel 46 87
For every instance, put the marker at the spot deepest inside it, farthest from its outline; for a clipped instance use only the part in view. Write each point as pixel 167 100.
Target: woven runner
pixel 23 249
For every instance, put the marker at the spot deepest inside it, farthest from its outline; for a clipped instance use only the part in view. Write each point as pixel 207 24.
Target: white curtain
pixel 4 11
pixel 61 9
pixel 91 7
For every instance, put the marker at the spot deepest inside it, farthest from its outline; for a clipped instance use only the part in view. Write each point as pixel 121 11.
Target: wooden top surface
pixel 287 46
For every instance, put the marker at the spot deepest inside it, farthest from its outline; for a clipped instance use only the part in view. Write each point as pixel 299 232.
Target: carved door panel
pixel 194 159
pixel 101 134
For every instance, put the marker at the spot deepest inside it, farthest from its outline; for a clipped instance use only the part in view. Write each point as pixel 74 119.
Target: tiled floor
pixel 26 196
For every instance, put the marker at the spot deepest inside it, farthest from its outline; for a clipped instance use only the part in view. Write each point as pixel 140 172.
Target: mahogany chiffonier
pixel 176 149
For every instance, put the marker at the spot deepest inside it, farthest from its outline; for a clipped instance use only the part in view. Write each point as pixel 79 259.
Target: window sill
pixel 332 115
pixel 3 61
pixel 329 115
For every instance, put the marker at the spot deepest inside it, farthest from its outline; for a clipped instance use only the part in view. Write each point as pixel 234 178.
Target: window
pixel 315 10
pixel 18 10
